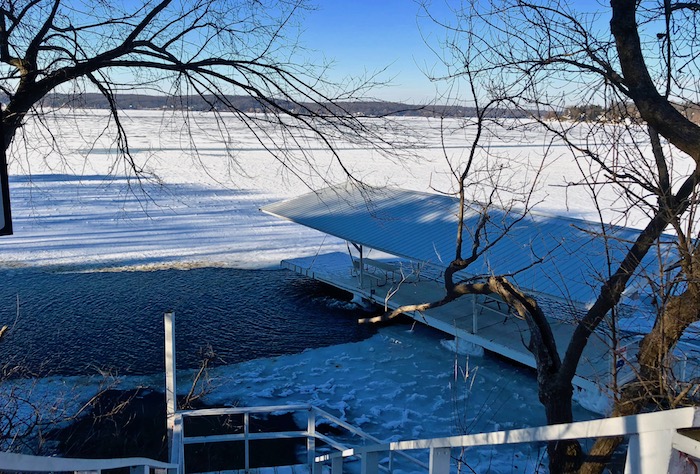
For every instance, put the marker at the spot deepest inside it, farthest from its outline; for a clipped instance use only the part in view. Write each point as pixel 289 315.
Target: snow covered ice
pixel 85 208
pixel 400 384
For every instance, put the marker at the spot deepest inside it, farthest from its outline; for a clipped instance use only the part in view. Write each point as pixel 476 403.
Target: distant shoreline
pixel 246 104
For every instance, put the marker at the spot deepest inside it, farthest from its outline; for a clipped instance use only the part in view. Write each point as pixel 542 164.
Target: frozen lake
pixel 197 230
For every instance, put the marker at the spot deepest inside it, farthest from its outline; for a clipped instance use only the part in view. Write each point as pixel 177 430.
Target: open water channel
pixel 82 323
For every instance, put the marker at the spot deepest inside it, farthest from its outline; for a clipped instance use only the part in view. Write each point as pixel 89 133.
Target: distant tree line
pixel 252 105
pixel 616 113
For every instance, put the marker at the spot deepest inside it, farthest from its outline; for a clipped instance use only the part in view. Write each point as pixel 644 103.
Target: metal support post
pixel 170 381
pixel 370 463
pixel 439 460
pixel 311 438
pixel 649 452
pixel 246 441
pixel 337 465
pixel 362 268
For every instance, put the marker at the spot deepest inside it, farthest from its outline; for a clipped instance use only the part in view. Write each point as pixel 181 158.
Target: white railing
pixel 11 462
pixel 653 438
pixel 178 439
pixel 314 417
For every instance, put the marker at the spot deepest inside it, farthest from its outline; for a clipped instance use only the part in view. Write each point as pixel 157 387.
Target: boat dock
pixel 399 241
pixel 485 322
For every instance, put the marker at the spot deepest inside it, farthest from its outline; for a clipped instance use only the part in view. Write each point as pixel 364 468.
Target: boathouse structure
pixel 400 241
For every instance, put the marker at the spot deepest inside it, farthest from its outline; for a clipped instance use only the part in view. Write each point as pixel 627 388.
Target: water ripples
pixel 80 323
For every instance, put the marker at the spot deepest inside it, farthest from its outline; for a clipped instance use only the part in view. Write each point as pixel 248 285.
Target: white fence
pixel 314 417
pixel 653 439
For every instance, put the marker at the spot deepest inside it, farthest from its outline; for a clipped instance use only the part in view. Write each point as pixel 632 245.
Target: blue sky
pixel 364 36
pixel 371 35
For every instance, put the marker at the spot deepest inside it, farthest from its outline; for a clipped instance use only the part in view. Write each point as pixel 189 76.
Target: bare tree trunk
pixel 655 109
pixel 565 456
pixel 555 391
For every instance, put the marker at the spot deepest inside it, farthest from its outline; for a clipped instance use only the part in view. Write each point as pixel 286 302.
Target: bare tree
pixel 544 55
pixel 212 50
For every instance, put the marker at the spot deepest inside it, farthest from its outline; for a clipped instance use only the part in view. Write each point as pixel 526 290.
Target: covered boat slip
pixel 556 258
pixel 484 322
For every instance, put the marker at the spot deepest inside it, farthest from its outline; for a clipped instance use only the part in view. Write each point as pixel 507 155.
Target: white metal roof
pixel 422 227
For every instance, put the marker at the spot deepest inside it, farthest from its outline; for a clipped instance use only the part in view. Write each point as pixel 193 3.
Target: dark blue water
pixel 79 323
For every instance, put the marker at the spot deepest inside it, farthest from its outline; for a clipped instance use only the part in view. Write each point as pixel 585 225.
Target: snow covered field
pixel 79 211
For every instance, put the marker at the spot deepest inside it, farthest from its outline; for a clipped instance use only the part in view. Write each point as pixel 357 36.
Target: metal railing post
pixel 170 380
pixel 311 438
pixel 246 440
pixel 178 452
pixel 439 460
pixel 370 463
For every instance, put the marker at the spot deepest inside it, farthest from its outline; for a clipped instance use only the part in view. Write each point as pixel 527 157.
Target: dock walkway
pixel 483 322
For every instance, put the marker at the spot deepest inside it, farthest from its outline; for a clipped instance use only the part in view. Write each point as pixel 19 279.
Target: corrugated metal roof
pixel 421 226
